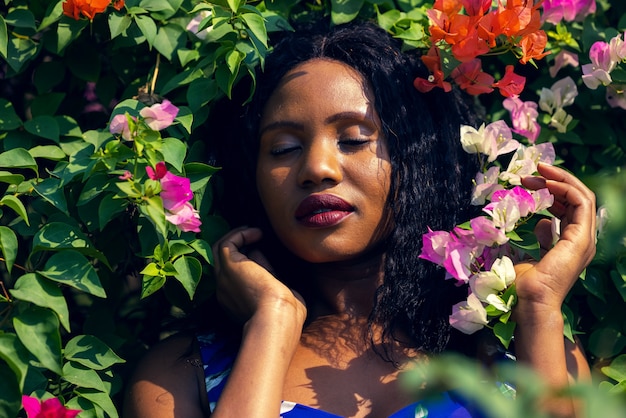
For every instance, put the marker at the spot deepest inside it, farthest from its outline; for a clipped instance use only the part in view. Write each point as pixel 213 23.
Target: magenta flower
pixel 175 191
pixel 434 246
pixel 126 176
pixel 119 125
pixel 160 115
pixel 176 194
pixel 505 212
pixel 569 10
pixel 459 260
pixel 185 217
pixel 524 117
pixel 523 198
pixel 50 408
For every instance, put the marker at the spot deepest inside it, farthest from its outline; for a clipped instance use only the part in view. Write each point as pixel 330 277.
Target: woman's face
pixel 323 170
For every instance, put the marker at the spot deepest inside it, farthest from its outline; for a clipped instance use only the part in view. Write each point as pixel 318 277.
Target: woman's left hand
pixel 545 284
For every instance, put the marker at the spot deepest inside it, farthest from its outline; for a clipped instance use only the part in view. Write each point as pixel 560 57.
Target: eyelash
pixel 348 142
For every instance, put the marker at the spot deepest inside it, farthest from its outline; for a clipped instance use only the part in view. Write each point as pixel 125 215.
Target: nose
pixel 320 163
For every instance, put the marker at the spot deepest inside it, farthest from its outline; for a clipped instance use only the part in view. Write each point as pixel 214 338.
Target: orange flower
pixel 432 61
pixel 87 8
pixel 533 45
pixel 471 78
pixel 511 84
pixel 118 4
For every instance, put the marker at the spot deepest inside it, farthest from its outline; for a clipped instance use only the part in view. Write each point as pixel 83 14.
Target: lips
pixel 322 210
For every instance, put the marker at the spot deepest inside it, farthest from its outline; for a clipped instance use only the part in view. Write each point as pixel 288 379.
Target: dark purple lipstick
pixel 322 210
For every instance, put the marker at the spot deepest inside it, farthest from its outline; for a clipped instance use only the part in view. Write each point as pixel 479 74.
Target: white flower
pixel 469 316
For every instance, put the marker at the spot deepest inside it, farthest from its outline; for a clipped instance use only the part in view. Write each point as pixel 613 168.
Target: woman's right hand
pixel 245 285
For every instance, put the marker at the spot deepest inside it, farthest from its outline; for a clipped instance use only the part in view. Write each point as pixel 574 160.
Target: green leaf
pixel 82 376
pixel 607 342
pixel 84 63
pixel 174 151
pixel 49 152
pixel 20 51
pixel 204 249
pixel 4 38
pixel 18 158
pixel 109 207
pixel 44 126
pixel 16 204
pixel 91 352
pixel 52 190
pixel 38 329
pixel 67 31
pixel 234 4
pixel 8 118
pixel 47 104
pixel 73 269
pixel 147 27
pixel 256 24
pixel 344 11
pixel 8 243
pixel 152 269
pixel 200 92
pixel 617 369
pixel 151 284
pixel 101 399
pixel 13 352
pixel 169 39
pixel 95 185
pixel 504 332
pixel 8 177
pixel 153 210
pixel 185 118
pixel 118 24
pixel 188 273
pixel 35 289
pixel 57 236
pixel 21 18
pixel 10 401
pixel 53 14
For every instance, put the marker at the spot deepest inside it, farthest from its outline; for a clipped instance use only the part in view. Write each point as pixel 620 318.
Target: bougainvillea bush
pixel 107 208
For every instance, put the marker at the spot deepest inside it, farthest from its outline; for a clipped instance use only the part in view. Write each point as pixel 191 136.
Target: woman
pixel 341 170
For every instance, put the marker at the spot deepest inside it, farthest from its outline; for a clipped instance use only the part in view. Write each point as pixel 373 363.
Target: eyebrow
pixel 331 119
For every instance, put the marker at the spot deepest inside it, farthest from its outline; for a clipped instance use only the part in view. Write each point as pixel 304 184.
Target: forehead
pixel 320 86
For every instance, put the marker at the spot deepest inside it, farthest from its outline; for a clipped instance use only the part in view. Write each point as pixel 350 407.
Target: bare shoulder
pixel 168 382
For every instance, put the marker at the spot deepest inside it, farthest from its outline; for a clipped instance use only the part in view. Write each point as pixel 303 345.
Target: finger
pixel 543 232
pixel 231 243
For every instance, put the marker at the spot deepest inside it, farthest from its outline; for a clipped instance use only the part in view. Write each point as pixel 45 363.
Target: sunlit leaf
pixel 44 293
pixel 73 269
pixel 38 329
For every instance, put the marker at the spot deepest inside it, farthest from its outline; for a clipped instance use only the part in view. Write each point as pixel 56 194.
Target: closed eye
pixel 352 144
pixel 278 151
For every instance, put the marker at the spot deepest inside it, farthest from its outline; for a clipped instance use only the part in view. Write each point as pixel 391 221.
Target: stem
pixel 15 265
pixel 4 290
pixel 155 74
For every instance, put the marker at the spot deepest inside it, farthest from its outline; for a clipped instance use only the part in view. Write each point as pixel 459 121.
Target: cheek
pixel 271 183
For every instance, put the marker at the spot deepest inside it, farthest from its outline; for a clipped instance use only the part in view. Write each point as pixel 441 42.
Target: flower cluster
pixel 513 25
pixel 89 8
pixel 605 58
pixel 156 117
pixel 176 194
pixel 50 408
pixel 481 252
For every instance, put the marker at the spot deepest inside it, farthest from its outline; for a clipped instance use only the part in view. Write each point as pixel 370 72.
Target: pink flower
pixel 459 260
pixel 485 184
pixel 504 212
pixel 469 316
pixel 569 10
pixel 522 197
pixel 562 59
pixel 126 176
pixel 175 191
pixel 511 84
pixel 524 162
pixel 561 94
pixel 160 115
pixel 159 173
pixel 176 194
pixel 50 408
pixel 543 199
pixel 524 117
pixel 434 246
pixel 185 217
pixel 617 49
pixel 476 7
pixel 119 125
pixel 601 65
pixel 486 232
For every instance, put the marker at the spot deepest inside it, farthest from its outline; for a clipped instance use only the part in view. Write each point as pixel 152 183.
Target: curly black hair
pixel 431 174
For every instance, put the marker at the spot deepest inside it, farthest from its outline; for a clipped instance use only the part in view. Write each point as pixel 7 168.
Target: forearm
pixel 540 345
pixel 255 384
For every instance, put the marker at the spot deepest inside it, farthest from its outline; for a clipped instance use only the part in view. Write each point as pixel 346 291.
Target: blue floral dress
pixel 218 357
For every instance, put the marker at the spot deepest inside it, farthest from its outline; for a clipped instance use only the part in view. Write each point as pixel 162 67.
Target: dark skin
pixel 328 363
